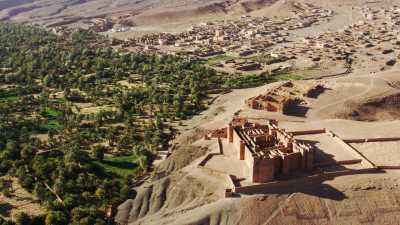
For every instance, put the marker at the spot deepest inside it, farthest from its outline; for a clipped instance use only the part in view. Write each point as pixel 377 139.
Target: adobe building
pixel 267 150
pixel 286 98
pixel 272 102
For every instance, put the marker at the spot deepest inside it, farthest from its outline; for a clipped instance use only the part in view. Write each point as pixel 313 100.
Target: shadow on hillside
pixel 5 209
pixel 307 183
pixel 120 164
pixel 297 110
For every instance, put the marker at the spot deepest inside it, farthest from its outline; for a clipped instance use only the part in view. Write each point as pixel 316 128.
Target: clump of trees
pixel 45 78
pixel 64 170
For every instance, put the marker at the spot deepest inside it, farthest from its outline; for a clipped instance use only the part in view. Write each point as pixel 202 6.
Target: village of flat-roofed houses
pixel 266 45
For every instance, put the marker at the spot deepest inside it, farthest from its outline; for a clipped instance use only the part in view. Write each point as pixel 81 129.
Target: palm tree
pixel 140 155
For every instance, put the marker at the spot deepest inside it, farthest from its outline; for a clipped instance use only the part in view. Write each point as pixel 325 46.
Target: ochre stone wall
pixel 219 133
pixel 230 133
pixel 362 140
pixel 307 132
pixel 291 162
pixel 242 150
pixel 263 170
pixel 267 150
pixel 248 155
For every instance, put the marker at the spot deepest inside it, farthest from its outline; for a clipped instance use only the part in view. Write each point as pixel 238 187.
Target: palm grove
pixel 65 155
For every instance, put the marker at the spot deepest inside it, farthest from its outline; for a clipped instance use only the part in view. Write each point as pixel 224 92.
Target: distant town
pixel 261 44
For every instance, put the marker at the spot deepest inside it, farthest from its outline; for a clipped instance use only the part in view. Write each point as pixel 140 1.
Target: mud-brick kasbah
pixel 267 150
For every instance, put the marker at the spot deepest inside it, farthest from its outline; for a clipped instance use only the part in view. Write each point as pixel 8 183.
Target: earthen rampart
pixel 268 150
pixel 365 140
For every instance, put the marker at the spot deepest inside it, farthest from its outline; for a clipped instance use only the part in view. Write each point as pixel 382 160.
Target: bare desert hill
pixel 189 194
pixel 74 12
pixel 147 16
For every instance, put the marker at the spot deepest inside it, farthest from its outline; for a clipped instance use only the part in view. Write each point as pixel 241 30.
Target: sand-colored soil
pixel 381 153
pixel 359 203
pixel 361 104
pixel 96 109
pixel 328 149
pixel 344 200
pixel 20 201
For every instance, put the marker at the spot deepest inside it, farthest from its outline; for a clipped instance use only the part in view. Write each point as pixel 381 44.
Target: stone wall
pixel 206 158
pixel 389 167
pixel 277 185
pixel 342 162
pixel 366 162
pixel 307 156
pixel 291 162
pixel 219 133
pixel 308 132
pixel 263 170
pixel 364 140
pixel 248 155
pixel 299 156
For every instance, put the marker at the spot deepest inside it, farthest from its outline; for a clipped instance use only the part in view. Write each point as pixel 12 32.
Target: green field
pixel 9 98
pixel 53 125
pixel 261 79
pixel 217 59
pixel 50 112
pixel 122 166
pixel 285 76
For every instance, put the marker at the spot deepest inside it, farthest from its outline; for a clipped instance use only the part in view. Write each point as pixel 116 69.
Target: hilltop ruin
pixel 267 150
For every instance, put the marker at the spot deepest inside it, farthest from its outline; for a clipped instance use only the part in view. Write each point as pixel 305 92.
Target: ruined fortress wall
pixel 271 107
pixel 283 137
pixel 342 162
pixel 389 167
pixel 310 159
pixel 248 155
pixel 220 146
pixel 249 159
pixel 307 157
pixel 363 140
pixel 276 186
pixel 242 150
pixel 291 162
pixel 263 170
pixel 206 158
pixel 252 103
pixel 355 152
pixel 236 143
pixel 349 162
pixel 304 156
pixel 231 183
pixel 220 133
pixel 278 161
pixel 230 132
pixel 350 172
pixel 308 132
pixel 279 135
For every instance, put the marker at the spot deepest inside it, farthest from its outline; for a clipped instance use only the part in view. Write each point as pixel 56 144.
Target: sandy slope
pixel 344 200
pixel 172 15
pixel 143 13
